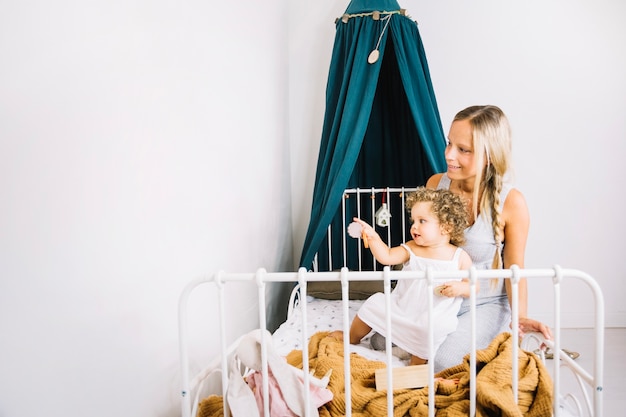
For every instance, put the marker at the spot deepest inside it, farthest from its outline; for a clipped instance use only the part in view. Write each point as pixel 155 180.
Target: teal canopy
pixel 381 126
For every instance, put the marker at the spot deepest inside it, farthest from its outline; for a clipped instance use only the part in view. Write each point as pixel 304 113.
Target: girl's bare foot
pixel 416 360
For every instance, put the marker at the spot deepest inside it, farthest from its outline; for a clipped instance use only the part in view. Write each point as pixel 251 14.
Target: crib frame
pixel 389 194
pixel 589 381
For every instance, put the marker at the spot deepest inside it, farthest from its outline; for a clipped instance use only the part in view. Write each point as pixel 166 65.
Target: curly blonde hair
pixel 447 207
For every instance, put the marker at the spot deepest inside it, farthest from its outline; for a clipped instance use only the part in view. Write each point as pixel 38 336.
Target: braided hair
pixel 491 133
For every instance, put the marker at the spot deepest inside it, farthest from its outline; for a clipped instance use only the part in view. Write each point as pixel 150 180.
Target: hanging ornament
pixel 373 56
pixel 355 230
pixel 383 215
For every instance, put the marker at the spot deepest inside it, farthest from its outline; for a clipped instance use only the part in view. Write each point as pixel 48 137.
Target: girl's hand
pixel 383 253
pixel 454 289
pixel 368 230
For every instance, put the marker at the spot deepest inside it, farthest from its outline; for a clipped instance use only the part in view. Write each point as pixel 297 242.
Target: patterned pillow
pixel 357 290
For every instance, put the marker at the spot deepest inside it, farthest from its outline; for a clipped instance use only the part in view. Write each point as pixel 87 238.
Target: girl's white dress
pixel 409 308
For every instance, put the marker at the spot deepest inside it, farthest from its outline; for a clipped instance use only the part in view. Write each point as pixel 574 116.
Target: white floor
pixel 582 341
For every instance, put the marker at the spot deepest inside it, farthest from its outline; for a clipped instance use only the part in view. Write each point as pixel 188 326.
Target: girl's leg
pixel 358 330
pixel 416 360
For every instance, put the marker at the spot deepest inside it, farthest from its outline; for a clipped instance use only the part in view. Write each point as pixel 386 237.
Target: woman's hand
pixel 527 325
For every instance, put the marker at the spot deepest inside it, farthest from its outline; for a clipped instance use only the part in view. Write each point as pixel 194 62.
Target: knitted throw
pixel 494 395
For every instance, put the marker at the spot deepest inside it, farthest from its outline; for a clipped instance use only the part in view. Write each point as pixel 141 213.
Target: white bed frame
pixel 590 382
pixel 364 197
pixel 586 402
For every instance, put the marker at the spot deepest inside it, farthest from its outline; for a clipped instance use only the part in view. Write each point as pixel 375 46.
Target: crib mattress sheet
pixel 324 315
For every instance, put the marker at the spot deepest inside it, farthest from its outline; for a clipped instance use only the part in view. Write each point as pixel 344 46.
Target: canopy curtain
pixel 381 126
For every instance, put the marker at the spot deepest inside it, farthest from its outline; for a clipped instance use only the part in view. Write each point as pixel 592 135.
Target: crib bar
pixel 388 347
pixel 599 347
pixel 263 325
pixel 473 278
pixel 346 337
pixel 344 240
pixel 403 218
pixel 377 275
pixel 515 328
pixel 386 194
pixel 431 342
pixel 302 277
pixel 220 287
pixel 315 266
pixel 557 337
pixel 261 277
pixel 358 213
pixel 373 221
pixel 330 249
pixel 183 336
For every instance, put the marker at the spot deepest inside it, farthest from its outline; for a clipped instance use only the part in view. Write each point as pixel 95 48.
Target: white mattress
pixel 323 315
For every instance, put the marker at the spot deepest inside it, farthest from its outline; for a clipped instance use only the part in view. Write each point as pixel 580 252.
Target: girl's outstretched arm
pixel 383 253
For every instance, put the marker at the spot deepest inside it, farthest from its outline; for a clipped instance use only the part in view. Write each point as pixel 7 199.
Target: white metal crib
pixel 395 198
pixel 591 382
pixel 587 402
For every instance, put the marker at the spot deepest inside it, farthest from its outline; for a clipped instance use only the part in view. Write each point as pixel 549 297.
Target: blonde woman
pixel 478 155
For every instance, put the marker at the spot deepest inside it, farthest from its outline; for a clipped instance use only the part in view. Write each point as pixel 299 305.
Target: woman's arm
pixel 383 253
pixel 516 224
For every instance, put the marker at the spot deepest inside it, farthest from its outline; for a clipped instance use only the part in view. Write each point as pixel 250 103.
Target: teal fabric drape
pixel 381 125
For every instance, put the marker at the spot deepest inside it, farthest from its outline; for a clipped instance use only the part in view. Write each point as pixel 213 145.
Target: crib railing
pixel 591 381
pixel 364 203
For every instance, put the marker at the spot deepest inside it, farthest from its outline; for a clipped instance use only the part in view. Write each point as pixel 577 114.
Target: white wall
pixel 142 144
pixel 557 69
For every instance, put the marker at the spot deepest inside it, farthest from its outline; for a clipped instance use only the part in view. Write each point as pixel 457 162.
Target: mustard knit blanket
pixel 494 395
